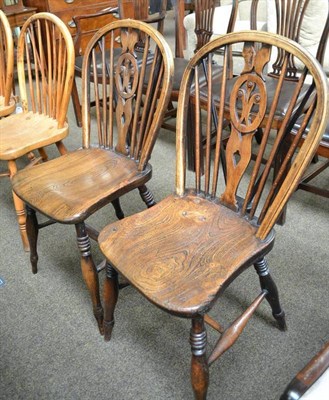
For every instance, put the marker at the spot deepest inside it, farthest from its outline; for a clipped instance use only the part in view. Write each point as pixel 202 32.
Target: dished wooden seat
pixel 32 131
pixel 92 177
pixel 196 245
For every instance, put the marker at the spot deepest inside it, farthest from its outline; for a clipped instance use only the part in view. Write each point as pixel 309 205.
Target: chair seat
pixel 70 188
pixel 8 109
pixel 31 131
pixel 183 251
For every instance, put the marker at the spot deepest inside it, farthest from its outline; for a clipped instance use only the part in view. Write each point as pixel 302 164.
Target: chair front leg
pixel 19 208
pixel 89 273
pixel 267 283
pixel 32 228
pixel 199 365
pixel 111 290
pixel 147 196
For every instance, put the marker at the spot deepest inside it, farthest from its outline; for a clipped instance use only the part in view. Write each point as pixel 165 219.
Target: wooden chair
pixel 204 13
pixel 88 24
pixel 183 253
pixel 7 100
pixel 117 142
pixel 45 62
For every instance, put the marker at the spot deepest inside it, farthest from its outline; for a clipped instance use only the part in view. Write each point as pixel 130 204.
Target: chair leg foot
pixel 32 229
pixel 89 273
pixel 147 196
pixel 267 283
pixel 199 365
pixel 111 290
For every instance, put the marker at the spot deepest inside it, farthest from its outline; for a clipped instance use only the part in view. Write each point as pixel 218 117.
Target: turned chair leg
pixel 19 208
pixel 268 284
pixel 89 273
pixel 199 365
pixel 117 208
pixel 32 228
pixel 147 196
pixel 111 290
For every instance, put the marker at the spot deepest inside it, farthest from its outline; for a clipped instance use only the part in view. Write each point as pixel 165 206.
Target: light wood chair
pixel 7 100
pixel 118 140
pixel 185 251
pixel 45 62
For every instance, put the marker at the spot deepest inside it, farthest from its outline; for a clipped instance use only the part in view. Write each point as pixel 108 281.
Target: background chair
pixel 88 24
pixel 117 141
pixel 45 62
pixel 184 252
pixel 7 100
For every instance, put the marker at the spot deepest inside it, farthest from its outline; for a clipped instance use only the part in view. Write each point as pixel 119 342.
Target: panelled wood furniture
pixel 7 100
pixel 182 253
pixel 45 75
pixel 116 147
pixel 17 13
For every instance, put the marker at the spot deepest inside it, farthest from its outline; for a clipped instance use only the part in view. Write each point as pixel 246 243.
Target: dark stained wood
pixel 308 375
pixel 182 253
pixel 45 75
pixel 116 150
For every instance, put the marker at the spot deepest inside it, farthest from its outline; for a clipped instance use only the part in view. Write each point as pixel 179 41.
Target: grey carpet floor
pixel 50 347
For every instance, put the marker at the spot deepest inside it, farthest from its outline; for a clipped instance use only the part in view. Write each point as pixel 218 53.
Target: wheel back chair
pixel 45 66
pixel 185 251
pixel 88 24
pixel 7 100
pixel 117 141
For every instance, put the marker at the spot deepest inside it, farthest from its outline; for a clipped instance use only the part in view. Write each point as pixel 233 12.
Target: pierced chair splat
pixel 117 141
pixel 185 251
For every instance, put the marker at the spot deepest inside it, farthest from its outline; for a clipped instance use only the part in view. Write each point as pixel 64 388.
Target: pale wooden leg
pixel 146 196
pixel 19 207
pixel 111 289
pixel 61 147
pixel 32 229
pixel 89 273
pixel 199 365
pixel 268 284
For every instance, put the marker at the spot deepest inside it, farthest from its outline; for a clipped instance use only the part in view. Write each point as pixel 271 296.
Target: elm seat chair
pixel 7 100
pixel 45 63
pixel 116 144
pixel 182 253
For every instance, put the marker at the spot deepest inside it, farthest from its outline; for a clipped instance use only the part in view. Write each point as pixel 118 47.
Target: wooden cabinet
pixel 16 12
pixel 66 9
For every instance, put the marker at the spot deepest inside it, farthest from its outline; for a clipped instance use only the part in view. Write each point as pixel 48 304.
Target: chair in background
pixel 45 63
pixel 185 251
pixel 117 143
pixel 204 13
pixel 7 100
pixel 88 24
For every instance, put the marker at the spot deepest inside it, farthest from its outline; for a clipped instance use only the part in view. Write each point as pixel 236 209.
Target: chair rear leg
pixel 19 208
pixel 32 228
pixel 111 290
pixel 89 273
pixel 76 104
pixel 268 284
pixel 117 208
pixel 147 196
pixel 199 365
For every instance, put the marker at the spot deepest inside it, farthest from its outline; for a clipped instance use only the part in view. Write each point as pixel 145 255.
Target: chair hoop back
pixel 248 188
pixel 6 59
pixel 127 101
pixel 45 65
